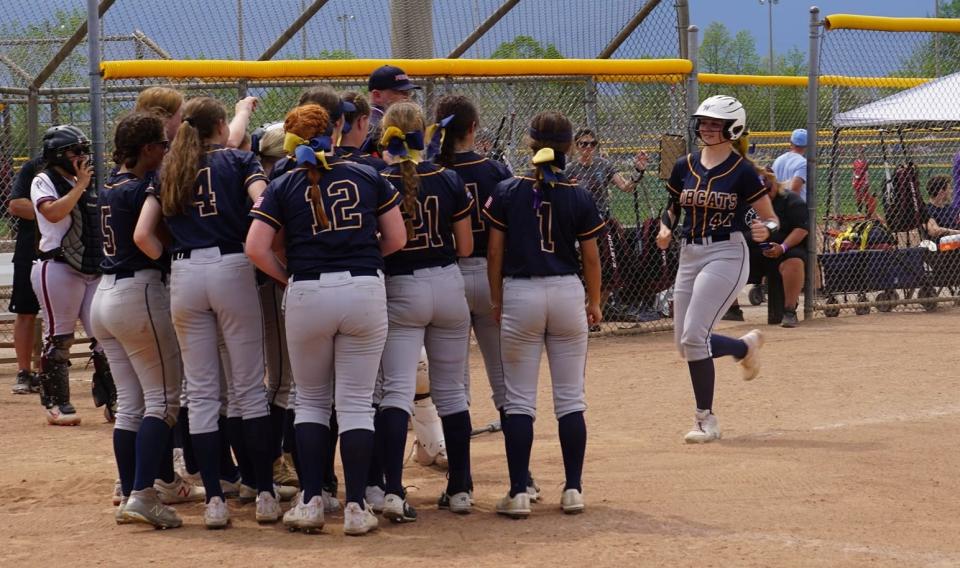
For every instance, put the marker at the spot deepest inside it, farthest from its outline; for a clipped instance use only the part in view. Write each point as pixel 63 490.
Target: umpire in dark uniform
pixel 388 84
pixel 23 301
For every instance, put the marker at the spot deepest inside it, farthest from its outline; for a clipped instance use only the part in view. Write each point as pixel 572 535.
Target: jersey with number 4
pixel 542 241
pixel 217 215
pixel 120 202
pixel 353 197
pixel 714 200
pixel 442 200
pixel 480 176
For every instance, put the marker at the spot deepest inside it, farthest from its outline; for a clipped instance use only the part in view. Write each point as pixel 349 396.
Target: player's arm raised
pixel 56 210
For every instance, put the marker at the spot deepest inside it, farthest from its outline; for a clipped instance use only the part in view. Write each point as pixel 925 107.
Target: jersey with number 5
pixel 442 200
pixel 542 241
pixel 218 212
pixel 480 175
pixel 120 202
pixel 714 200
pixel 353 197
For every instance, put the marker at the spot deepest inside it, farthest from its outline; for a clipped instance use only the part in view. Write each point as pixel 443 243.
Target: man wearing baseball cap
pixel 388 84
pixel 791 167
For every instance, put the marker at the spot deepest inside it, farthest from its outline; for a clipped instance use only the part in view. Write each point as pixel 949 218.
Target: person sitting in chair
pixel 942 218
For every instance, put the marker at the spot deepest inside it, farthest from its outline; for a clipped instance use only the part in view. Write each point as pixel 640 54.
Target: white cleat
pixel 118 513
pixel 516 507
pixel 146 507
pixel 330 503
pixel 357 521
pixel 375 497
pixel 460 503
pixel 178 491
pixel 750 365
pixel 705 428
pixel 216 515
pixel 248 494
pixel 572 502
pixel 268 508
pixel 306 517
pixel 117 493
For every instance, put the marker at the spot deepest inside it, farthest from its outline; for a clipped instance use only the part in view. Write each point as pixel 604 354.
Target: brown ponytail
pixel 465 115
pixel 408 118
pixel 546 129
pixel 309 121
pixel 178 174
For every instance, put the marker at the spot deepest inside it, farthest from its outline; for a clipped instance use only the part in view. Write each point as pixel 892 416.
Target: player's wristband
pixel 665 219
pixel 784 247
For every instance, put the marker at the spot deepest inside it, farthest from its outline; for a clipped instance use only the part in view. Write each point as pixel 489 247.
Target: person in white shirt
pixel 791 167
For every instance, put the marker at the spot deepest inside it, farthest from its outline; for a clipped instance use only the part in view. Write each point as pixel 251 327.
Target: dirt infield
pixel 842 453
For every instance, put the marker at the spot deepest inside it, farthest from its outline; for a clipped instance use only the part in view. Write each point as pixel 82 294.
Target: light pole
pixel 344 20
pixel 770 4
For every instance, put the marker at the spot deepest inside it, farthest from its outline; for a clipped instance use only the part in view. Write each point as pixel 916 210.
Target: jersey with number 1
pixel 353 197
pixel 442 200
pixel 542 241
pixel 714 200
pixel 480 176
pixel 217 215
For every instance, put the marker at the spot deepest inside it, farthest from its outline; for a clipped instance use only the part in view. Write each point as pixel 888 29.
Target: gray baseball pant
pixel 131 320
pixel 485 328
pixel 212 293
pixel 279 373
pixel 426 309
pixel 65 296
pixel 708 280
pixel 538 311
pixel 336 327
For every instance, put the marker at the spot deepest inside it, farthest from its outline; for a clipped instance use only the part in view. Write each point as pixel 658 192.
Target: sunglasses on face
pixel 587 144
pixel 164 143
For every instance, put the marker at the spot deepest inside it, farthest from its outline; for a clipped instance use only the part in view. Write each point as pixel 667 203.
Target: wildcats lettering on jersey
pixel 711 200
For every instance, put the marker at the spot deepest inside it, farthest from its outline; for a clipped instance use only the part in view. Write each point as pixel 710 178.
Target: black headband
pixel 559 137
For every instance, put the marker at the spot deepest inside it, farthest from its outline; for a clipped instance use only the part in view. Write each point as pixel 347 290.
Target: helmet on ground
pixel 727 109
pixel 58 139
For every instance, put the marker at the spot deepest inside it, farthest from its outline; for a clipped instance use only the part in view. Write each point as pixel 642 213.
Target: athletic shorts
pixel 22 298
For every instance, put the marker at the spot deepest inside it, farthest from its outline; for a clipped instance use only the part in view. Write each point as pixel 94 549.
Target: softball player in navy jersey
pixel 356 126
pixel 131 319
pixel 330 211
pixel 714 188
pixel 536 222
pixel 204 199
pixel 427 307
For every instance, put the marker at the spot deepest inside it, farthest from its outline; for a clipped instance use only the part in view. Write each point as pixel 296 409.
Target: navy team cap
pixel 390 78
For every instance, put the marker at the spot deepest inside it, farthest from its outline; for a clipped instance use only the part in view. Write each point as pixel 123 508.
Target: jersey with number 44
pixel 217 215
pixel 714 200
pixel 442 200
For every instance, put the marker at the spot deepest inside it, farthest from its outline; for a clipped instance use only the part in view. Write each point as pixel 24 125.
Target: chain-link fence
pixel 889 137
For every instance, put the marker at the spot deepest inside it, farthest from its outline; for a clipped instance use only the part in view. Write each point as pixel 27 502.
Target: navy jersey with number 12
pixel 353 197
pixel 714 201
pixel 218 213
pixel 542 242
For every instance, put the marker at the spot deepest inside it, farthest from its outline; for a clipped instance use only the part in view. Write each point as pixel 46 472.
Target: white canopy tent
pixel 935 102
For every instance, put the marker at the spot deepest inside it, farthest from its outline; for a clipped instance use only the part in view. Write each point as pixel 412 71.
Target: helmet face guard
pixel 59 140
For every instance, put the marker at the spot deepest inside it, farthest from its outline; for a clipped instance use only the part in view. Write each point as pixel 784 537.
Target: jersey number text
pixel 206 201
pixel 109 238
pixel 426 225
pixel 343 209
pixel 544 214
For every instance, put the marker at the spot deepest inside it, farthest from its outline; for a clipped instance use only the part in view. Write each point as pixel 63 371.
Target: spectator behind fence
pixel 595 174
pixel 942 218
pixel 787 252
pixel 791 167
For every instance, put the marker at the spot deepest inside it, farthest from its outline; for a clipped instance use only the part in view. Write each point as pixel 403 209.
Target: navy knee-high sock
pixel 503 428
pixel 703 378
pixel 518 436
pixel 186 442
pixel 153 440
pixel 237 442
pixel 125 451
pixel 329 475
pixel 312 441
pixel 356 447
pixel 721 346
pixel 289 433
pixel 375 470
pixel 392 433
pixel 178 431
pixel 256 433
pixel 277 415
pixel 456 433
pixel 228 467
pixel 207 448
pixel 165 472
pixel 573 445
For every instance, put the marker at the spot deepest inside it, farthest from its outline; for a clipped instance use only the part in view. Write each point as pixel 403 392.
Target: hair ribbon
pixel 308 151
pixel 550 162
pixel 436 133
pixel 407 146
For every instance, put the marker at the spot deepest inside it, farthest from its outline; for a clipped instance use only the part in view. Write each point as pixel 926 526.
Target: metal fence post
pixel 33 122
pixel 813 84
pixel 693 86
pixel 96 92
pixel 590 102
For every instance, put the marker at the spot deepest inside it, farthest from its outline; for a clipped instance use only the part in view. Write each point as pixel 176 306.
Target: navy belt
pixel 706 240
pixel 300 276
pixel 224 249
pixel 124 274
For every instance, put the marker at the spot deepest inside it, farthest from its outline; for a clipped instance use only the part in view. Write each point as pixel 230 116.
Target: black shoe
pixel 789 318
pixel 733 314
pixel 27 383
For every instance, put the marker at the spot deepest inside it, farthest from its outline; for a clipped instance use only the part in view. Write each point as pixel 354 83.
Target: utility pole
pixel 344 20
pixel 240 29
pixel 770 4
